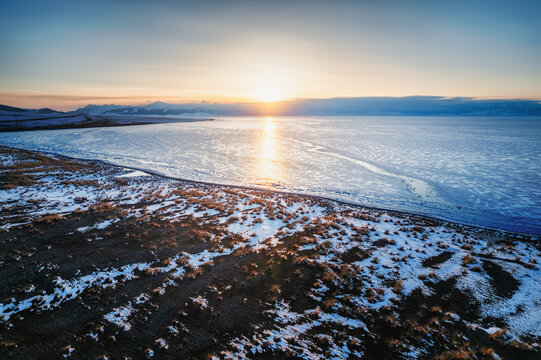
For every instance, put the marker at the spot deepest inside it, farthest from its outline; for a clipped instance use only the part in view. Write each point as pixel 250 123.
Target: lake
pixel 476 170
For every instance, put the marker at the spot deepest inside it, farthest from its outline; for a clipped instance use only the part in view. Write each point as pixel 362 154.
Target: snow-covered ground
pixel 324 279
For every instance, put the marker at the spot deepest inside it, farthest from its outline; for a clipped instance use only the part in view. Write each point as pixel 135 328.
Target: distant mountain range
pixel 12 109
pixel 409 105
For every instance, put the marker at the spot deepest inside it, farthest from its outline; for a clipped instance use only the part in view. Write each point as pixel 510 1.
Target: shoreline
pixel 89 122
pixel 533 236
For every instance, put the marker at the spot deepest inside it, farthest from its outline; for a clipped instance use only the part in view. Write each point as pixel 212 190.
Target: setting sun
pixel 268 96
pixel 269 82
pixel 269 89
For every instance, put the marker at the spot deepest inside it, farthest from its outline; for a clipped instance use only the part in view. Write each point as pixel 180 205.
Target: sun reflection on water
pixel 269 171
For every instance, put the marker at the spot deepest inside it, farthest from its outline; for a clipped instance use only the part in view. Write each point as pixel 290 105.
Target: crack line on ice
pixel 418 187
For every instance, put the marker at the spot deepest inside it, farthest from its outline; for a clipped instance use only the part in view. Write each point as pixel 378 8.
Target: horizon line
pixel 110 100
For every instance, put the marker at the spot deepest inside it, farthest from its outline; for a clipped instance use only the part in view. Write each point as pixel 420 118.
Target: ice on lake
pixel 476 170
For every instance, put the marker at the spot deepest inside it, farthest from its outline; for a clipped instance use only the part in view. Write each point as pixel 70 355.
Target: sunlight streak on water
pixel 268 172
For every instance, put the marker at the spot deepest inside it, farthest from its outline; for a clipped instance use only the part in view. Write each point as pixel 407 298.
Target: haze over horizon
pixel 65 55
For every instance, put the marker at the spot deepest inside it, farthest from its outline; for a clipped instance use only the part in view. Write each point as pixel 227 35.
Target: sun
pixel 269 96
pixel 267 84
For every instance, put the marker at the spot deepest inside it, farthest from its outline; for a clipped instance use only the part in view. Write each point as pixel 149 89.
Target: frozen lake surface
pixel 474 170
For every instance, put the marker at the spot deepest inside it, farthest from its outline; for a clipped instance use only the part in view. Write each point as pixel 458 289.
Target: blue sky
pixel 69 53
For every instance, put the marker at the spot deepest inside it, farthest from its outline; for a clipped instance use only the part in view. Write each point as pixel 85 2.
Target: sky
pixel 66 54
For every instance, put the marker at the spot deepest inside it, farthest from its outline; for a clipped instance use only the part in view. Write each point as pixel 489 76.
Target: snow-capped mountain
pixel 162 108
pixel 97 109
